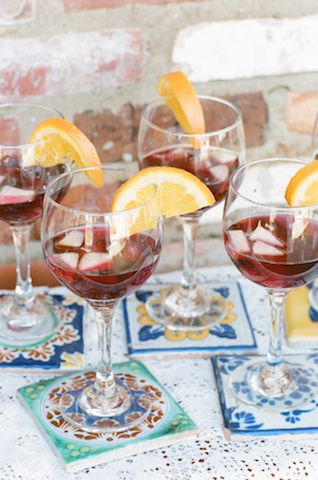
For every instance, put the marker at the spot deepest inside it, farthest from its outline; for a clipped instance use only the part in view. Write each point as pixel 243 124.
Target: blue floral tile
pixel 241 420
pixel 146 337
pixel 62 350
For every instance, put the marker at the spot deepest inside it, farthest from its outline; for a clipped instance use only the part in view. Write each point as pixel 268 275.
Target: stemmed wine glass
pixel 313 292
pixel 100 256
pixel 212 157
pixel 25 318
pixel 275 246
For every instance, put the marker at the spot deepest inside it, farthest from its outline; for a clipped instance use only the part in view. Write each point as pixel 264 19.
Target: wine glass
pixel 25 318
pixel 212 157
pixel 313 291
pixel 100 256
pixel 275 246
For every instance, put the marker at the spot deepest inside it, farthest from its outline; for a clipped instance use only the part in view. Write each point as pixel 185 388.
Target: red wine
pixel 275 253
pixel 22 190
pixel 213 167
pixel 98 266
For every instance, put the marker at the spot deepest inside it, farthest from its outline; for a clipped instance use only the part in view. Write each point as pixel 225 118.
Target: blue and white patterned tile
pixel 146 337
pixel 63 350
pixel 241 420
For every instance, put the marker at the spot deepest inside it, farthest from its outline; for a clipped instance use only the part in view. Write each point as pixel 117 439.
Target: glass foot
pixel 274 388
pixel 175 311
pixel 21 327
pixel 126 408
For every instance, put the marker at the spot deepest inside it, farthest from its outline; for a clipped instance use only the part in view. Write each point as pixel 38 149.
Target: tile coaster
pixel 145 337
pixel 301 319
pixel 242 421
pixel 167 423
pixel 61 351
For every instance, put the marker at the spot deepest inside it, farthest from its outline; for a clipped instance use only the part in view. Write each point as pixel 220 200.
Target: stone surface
pixel 77 63
pixel 247 48
pixel 301 111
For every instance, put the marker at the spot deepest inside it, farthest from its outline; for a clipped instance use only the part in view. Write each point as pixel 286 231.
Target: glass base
pixel 174 310
pixel 84 409
pixel 277 388
pixel 23 326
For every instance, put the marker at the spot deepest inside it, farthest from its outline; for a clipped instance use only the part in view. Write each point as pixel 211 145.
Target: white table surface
pixel 25 455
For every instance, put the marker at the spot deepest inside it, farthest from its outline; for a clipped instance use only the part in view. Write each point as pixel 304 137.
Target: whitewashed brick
pixel 247 48
pixel 14 12
pixel 70 63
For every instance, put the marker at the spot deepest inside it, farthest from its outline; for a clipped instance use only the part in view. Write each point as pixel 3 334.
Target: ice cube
pixel 220 172
pixel 116 246
pixel 73 238
pixel 95 261
pixel 265 249
pixel 12 195
pixel 67 259
pixel 239 241
pixel 225 156
pixel 262 234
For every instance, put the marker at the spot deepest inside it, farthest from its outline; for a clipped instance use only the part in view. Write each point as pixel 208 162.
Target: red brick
pixel 9 131
pixel 301 111
pixel 115 134
pixel 75 5
pixel 76 63
pixel 30 83
pixel 255 116
pixel 5 234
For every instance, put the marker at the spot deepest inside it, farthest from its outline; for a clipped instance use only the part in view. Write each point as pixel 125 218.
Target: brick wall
pixel 98 62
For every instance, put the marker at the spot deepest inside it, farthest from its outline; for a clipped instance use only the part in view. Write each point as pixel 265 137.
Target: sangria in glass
pixel 275 246
pixel 25 318
pixel 212 157
pixel 101 256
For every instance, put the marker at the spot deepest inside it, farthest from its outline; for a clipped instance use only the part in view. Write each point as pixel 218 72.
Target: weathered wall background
pixel 98 62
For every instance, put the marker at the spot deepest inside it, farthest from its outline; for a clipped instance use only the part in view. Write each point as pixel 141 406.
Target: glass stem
pixel 188 279
pixel 24 295
pixel 105 382
pixel 277 303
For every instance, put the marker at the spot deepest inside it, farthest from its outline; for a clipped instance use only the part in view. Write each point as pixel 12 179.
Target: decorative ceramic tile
pixel 166 423
pixel 146 337
pixel 301 318
pixel 62 350
pixel 242 420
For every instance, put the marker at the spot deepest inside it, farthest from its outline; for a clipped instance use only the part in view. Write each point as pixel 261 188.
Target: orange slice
pixel 180 96
pixel 303 186
pixel 63 142
pixel 179 193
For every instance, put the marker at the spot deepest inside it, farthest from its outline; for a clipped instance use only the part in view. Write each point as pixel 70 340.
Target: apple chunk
pixel 266 250
pixel 73 238
pixel 12 195
pixel 263 235
pixel 95 261
pixel 66 259
pixel 239 241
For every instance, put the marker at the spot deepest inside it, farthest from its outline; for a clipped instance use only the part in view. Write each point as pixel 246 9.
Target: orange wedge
pixel 303 186
pixel 179 192
pixel 63 142
pixel 180 96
